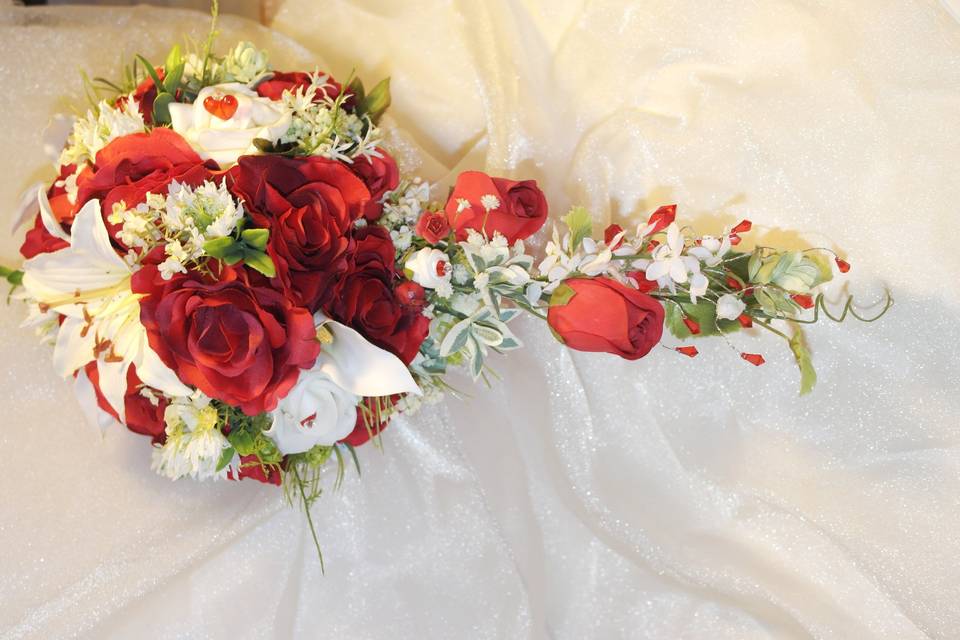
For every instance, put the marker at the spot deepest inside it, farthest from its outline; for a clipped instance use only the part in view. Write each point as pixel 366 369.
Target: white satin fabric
pixel 582 496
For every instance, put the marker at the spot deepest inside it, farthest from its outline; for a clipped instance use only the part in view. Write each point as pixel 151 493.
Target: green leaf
pixel 260 261
pixel 487 335
pixel 173 58
pixel 375 103
pixel 151 71
pixel 476 360
pixel 243 441
pixel 161 108
pixel 225 458
pixel 218 247
pixel 562 295
pixel 171 80
pixel 703 313
pixel 580 225
pixel 808 376
pixel 456 338
pixel 754 265
pixel 256 238
pixel 356 88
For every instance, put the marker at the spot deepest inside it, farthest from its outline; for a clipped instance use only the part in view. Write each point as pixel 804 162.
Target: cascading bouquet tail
pixel 229 262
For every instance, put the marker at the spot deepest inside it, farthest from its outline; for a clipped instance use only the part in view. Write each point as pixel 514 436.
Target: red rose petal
pixel 690 352
pixel 745 321
pixel 843 265
pixel 803 300
pixel 742 227
pixel 753 358
pixel 692 325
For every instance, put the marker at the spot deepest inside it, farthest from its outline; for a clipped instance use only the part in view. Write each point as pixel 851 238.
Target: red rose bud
pixel 489 205
pixel 735 239
pixel 662 218
pixel 692 325
pixel 433 226
pixel 411 295
pixel 733 283
pixel 381 175
pixel 653 244
pixel 753 358
pixel 610 233
pixel 690 352
pixel 601 314
pixel 742 227
pixel 745 321
pixel 843 265
pixel 803 300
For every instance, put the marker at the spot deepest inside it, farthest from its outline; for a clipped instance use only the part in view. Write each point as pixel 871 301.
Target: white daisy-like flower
pixel 194 442
pixel 711 250
pixel 97 129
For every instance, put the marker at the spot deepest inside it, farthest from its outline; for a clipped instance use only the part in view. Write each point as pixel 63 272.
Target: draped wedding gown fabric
pixel 581 496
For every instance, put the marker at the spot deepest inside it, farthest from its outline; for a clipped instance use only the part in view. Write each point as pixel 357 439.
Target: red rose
pixel 380 175
pixel 367 302
pixel 142 415
pixel 237 342
pixel 373 250
pixel 309 205
pixel 132 166
pixel 604 315
pixel 520 212
pixel 281 81
pixel 433 226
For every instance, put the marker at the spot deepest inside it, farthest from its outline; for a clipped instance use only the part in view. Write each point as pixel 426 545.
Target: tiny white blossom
pixel 194 442
pixel 729 307
pixel 490 202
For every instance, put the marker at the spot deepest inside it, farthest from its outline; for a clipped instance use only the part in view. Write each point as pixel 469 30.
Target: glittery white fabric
pixel 583 496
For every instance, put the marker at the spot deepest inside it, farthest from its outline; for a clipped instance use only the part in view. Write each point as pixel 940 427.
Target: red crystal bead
pixel 690 352
pixel 753 358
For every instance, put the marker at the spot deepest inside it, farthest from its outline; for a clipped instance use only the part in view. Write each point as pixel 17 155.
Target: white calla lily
pixel 89 283
pixel 360 367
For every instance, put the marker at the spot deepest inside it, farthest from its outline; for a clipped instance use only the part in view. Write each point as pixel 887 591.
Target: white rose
pixel 729 307
pixel 226 140
pixel 316 411
pixel 430 267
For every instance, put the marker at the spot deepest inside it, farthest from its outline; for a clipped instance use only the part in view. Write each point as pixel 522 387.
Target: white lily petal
pixel 678 271
pixel 657 270
pixel 87 398
pixel 90 263
pixel 360 367
pixel 113 384
pixel 73 350
pixel 674 240
pixel 154 373
pixel 46 216
pixel 27 207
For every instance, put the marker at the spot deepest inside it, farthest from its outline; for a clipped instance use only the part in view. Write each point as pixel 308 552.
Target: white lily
pixel 89 283
pixel 360 367
pixel 711 250
pixel 670 266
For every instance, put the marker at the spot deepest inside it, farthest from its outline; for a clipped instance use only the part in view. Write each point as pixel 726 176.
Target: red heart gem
pixel 222 107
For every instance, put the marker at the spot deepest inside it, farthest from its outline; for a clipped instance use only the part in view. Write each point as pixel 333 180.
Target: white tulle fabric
pixel 581 496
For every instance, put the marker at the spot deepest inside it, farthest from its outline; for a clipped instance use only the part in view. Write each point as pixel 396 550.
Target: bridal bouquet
pixel 230 263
